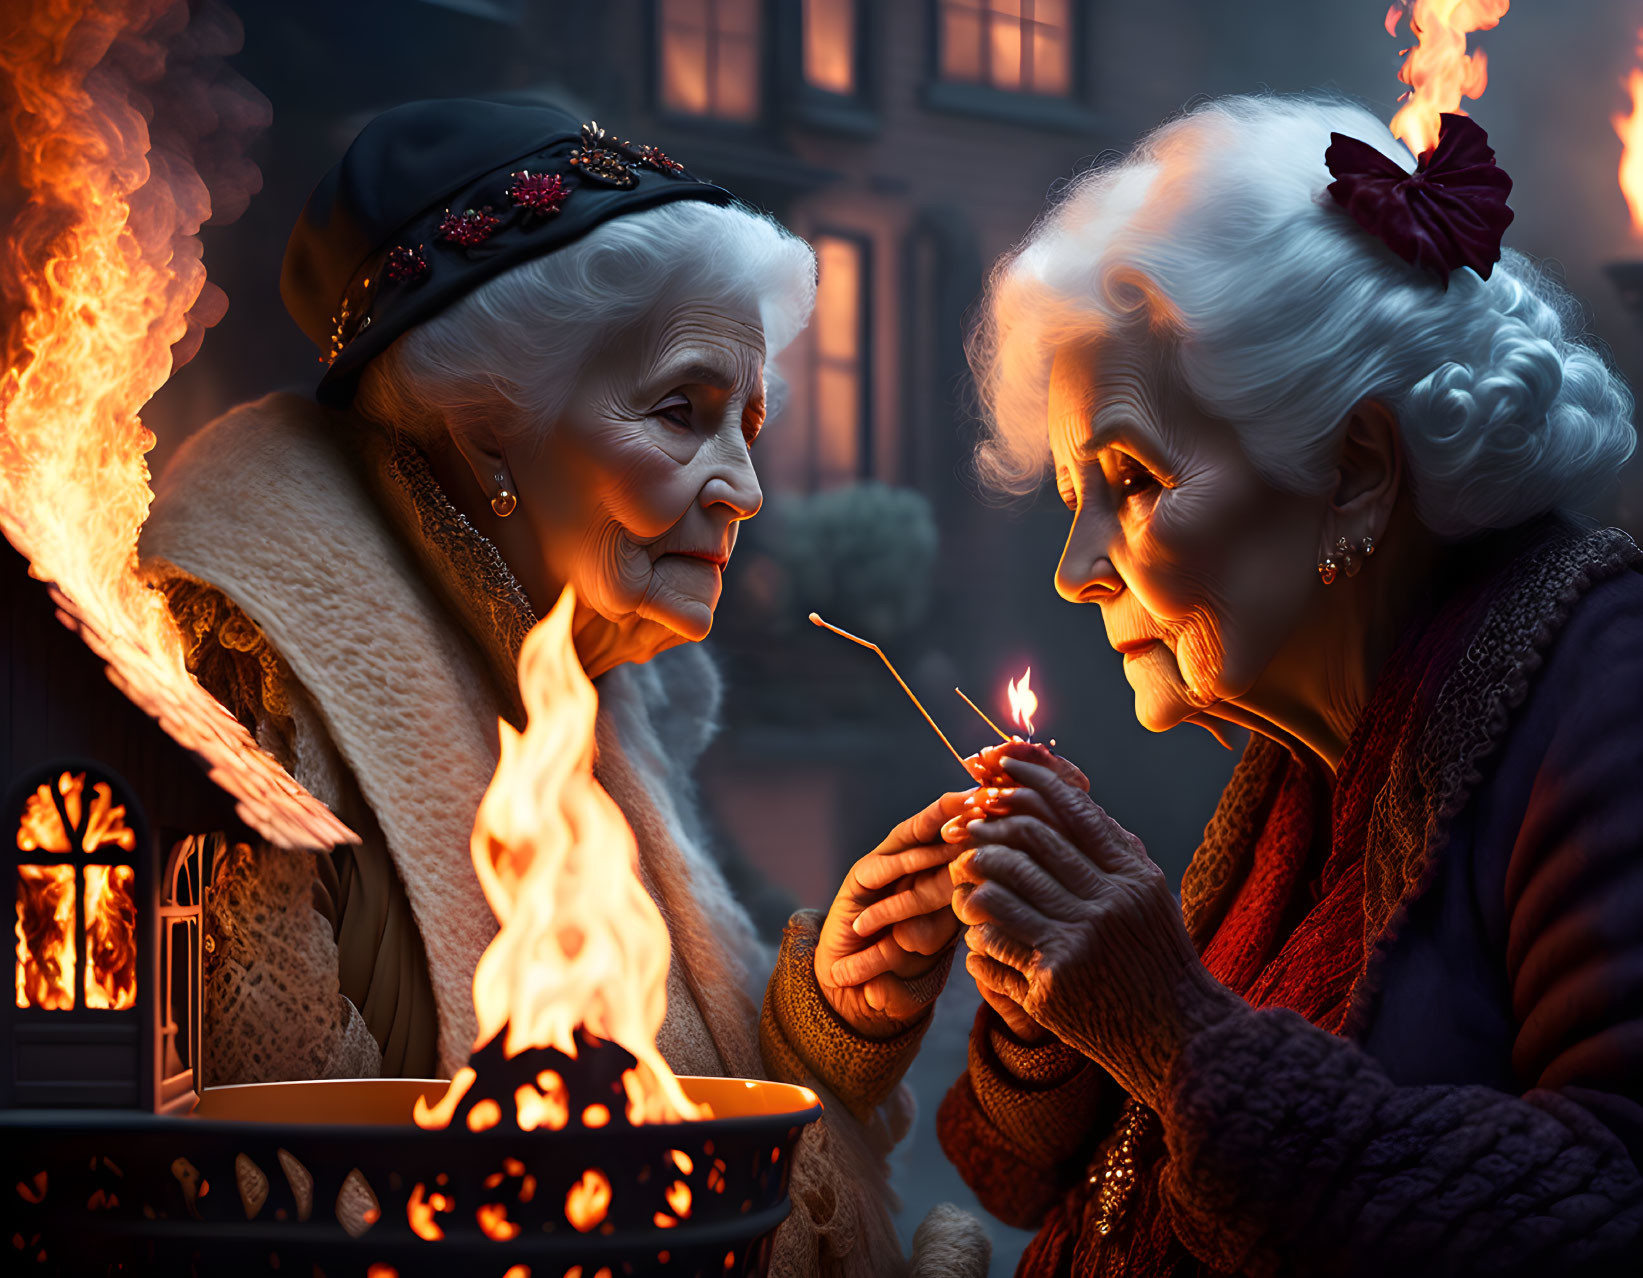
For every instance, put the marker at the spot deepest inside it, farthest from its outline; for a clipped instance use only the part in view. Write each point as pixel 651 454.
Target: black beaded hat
pixel 434 198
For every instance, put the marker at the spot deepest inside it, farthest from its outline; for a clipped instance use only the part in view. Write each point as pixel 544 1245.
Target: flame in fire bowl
pixel 334 1177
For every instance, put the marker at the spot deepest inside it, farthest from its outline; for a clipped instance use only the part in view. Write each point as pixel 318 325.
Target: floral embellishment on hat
pixel 603 159
pixel 405 263
pixel 655 158
pixel 1449 213
pixel 469 227
pixel 540 193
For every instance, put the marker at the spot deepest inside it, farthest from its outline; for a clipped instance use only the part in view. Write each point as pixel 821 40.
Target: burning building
pixel 567 1147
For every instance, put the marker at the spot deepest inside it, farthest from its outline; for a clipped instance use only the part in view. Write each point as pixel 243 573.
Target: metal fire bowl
pixel 329 1178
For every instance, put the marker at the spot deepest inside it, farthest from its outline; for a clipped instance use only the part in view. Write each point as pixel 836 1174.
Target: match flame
pixel 581 942
pixel 103 104
pixel 1630 129
pixel 1023 701
pixel 1438 69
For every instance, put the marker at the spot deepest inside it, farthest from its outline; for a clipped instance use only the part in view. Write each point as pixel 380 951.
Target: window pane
pixel 685 13
pixel 45 937
pixel 1052 13
pixel 1004 52
pixel 736 79
pixel 838 422
pixel 684 70
pixel 1052 61
pixel 960 43
pixel 737 17
pixel 830 44
pixel 111 937
pixel 838 298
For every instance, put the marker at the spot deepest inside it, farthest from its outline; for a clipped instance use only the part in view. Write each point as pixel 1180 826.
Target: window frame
pixel 866 462
pixel 854 114
pixel 765 40
pixel 1069 112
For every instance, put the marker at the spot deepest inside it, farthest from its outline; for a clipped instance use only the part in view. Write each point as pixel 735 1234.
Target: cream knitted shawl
pixel 401 626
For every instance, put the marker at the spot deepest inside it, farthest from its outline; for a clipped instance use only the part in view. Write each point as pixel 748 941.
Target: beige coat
pixel 382 633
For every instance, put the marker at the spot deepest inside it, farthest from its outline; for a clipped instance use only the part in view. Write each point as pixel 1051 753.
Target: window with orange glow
pixel 709 52
pixel 1022 46
pixel 830 45
pixel 839 408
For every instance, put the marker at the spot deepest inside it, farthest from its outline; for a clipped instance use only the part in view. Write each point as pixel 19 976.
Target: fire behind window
pixel 75 916
pixel 1023 46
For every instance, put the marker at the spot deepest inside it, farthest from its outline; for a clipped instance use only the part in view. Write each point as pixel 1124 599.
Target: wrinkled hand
pixel 988 801
pixel 1070 919
pixel 890 924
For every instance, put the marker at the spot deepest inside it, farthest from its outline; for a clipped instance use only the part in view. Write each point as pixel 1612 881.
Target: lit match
pixel 815 619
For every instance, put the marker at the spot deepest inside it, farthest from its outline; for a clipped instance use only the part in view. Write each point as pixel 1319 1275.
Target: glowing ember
pixel 420 1211
pixel 45 936
pixel 101 281
pixel 111 937
pixel 1023 701
pixel 588 1200
pixel 494 1222
pixel 1630 129
pixel 581 944
pixel 1438 69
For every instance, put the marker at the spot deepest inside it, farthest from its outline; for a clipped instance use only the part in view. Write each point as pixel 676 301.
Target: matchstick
pixel 1001 733
pixel 815 619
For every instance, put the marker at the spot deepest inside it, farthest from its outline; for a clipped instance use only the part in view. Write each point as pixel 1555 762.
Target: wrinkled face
pixel 635 493
pixel 1202 568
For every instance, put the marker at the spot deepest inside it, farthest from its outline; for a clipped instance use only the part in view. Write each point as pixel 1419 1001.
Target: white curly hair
pixel 1278 313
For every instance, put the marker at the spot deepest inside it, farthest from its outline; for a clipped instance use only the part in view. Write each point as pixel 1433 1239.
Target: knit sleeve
pixel 1020 1121
pixel 1289 1142
pixel 803 1040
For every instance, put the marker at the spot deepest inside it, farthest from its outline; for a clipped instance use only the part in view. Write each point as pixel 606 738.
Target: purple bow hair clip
pixel 1449 213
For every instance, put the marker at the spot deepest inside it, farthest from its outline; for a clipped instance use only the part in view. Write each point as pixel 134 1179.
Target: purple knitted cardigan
pixel 1483 1110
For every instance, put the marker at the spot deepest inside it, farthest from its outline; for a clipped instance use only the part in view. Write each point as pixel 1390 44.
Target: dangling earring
pixel 504 503
pixel 1347 557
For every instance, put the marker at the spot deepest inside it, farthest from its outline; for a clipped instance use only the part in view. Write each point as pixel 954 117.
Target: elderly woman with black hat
pixel 547 351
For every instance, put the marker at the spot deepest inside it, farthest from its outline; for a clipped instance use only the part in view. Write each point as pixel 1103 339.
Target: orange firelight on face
pixel 1023 701
pixel 1438 69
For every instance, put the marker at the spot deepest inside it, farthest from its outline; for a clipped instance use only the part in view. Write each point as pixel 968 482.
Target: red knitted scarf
pixel 1293 935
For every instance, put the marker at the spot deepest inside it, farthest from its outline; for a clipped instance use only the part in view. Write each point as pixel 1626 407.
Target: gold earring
pixel 1326 571
pixel 504 503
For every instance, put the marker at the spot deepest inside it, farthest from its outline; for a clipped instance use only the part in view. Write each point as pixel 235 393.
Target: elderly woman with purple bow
pixel 1320 440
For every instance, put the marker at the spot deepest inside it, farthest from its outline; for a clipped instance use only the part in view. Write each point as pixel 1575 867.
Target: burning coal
pixel 121 131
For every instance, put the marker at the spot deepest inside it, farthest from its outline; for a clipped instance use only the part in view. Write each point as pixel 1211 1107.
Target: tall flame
pixel 581 942
pixel 1630 129
pixel 103 105
pixel 1023 701
pixel 1438 69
